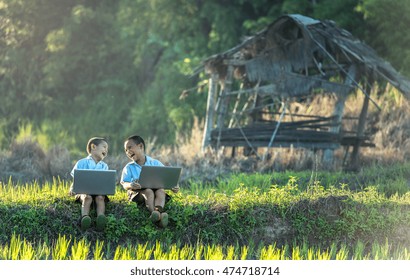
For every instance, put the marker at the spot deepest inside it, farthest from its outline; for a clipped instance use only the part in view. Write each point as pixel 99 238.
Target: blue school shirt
pixel 89 163
pixel 132 170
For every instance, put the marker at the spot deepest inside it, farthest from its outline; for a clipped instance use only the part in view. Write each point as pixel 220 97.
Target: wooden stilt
pixel 210 110
pixel 338 114
pixel 360 133
pixel 224 102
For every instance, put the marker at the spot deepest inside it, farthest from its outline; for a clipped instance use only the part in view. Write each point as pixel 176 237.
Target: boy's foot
pixel 164 220
pixel 101 222
pixel 155 216
pixel 85 222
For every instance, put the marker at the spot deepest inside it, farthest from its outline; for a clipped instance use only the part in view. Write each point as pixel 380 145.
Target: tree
pixel 23 27
pixel 75 69
pixel 386 26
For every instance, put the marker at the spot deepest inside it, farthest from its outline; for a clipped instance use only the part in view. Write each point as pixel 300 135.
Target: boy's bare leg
pixel 160 196
pixel 148 195
pixel 100 209
pixel 100 205
pixel 159 199
pixel 86 201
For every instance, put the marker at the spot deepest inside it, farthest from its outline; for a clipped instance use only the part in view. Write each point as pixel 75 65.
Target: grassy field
pixel 288 215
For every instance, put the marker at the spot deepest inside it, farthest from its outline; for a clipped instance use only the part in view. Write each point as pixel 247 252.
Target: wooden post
pixel 224 102
pixel 338 114
pixel 235 108
pixel 360 132
pixel 253 117
pixel 210 110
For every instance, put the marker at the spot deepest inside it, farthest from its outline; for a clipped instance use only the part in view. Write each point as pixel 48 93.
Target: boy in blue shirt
pixel 154 200
pixel 97 149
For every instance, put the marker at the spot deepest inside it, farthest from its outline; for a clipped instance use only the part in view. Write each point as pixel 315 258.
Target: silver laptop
pixel 94 182
pixel 159 177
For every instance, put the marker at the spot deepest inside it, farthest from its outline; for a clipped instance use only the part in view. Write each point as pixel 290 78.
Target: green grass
pixel 67 249
pixel 241 216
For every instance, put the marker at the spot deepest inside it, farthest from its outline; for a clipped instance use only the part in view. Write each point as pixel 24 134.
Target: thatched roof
pixel 298 54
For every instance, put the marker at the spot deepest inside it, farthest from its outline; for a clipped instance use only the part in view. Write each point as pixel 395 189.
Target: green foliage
pixel 21 249
pixel 115 228
pixel 74 69
pixel 386 21
pixel 344 13
pixel 239 217
pixel 296 6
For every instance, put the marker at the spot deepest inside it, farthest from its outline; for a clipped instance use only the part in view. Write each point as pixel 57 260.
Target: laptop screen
pixel 159 177
pixel 94 182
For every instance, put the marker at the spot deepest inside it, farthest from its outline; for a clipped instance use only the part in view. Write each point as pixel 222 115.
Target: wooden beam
pixel 224 102
pixel 314 82
pixel 235 62
pixel 338 114
pixel 261 90
pixel 284 144
pixel 360 132
pixel 210 110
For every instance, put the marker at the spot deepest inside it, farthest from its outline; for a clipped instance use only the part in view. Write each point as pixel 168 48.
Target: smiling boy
pixel 97 149
pixel 154 200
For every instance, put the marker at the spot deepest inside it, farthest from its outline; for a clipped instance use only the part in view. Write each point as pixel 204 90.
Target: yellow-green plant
pixel 342 253
pixel 98 250
pixel 159 254
pixel 60 249
pixel 14 248
pixel 213 252
pixel 80 250
pixel 244 252
pixel 122 253
pixel 230 253
pixel 187 253
pixel 27 251
pixel 271 252
pixel 143 252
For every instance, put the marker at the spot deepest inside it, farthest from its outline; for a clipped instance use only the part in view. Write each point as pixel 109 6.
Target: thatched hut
pixel 290 60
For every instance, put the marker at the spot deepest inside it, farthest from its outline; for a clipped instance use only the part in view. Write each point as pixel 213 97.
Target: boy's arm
pixel 71 192
pixel 131 186
pixel 127 182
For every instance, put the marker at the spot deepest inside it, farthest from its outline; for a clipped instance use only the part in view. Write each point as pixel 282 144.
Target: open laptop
pixel 159 177
pixel 94 182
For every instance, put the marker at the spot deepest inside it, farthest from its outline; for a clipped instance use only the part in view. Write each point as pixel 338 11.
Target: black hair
pixel 96 141
pixel 137 140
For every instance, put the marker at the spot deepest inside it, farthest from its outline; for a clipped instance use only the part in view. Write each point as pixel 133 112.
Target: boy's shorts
pixel 78 199
pixel 136 196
